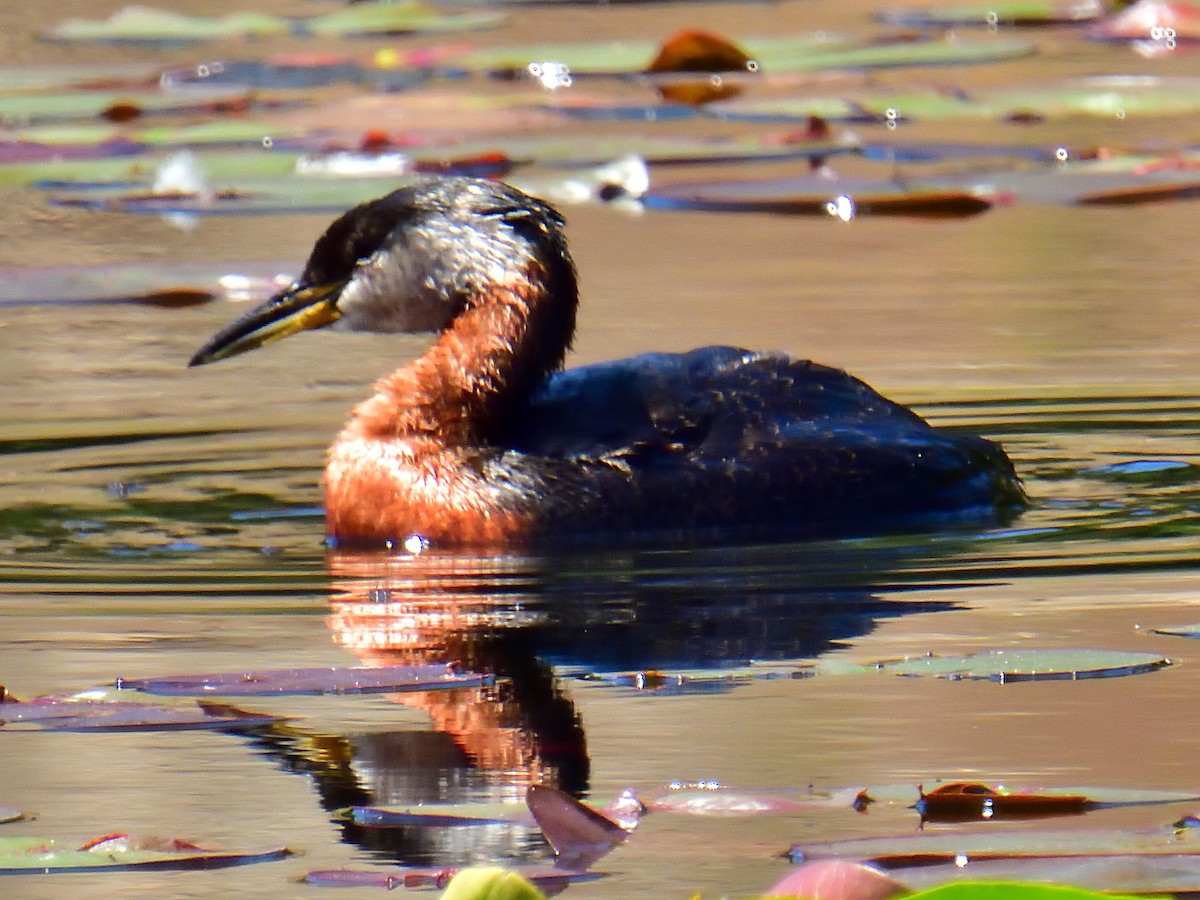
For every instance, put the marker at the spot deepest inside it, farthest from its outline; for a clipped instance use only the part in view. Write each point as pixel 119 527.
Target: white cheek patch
pixel 389 294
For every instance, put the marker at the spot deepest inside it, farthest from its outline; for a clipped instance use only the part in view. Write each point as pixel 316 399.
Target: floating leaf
pixel 1025 13
pixel 1109 97
pixel 379 817
pixel 911 853
pixel 1187 631
pixel 578 834
pixel 126 106
pixel 332 680
pixel 1152 193
pixel 770 55
pixel 29 855
pixel 401 17
pixel 142 24
pixel 962 801
pixel 1013 891
pixel 139 24
pixel 56 714
pixel 816 196
pixel 1014 665
pixel 693 50
pixel 10 814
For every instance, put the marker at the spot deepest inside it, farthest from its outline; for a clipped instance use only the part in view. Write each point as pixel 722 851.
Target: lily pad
pixel 113 852
pixel 770 55
pixel 578 834
pixel 1013 665
pixel 379 817
pixel 1025 13
pixel 140 24
pixel 1013 891
pixel 99 715
pixel 1187 631
pixel 332 680
pixel 1109 97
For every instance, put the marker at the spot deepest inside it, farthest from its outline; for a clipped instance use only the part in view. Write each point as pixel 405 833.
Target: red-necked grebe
pixel 485 440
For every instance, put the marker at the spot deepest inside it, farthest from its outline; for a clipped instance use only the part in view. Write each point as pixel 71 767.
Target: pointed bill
pixel 300 307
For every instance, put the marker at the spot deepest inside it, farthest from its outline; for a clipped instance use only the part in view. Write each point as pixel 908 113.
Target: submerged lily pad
pixel 30 855
pixel 332 680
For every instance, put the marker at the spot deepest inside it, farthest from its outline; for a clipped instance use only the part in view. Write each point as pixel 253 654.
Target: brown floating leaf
pixel 692 50
pixel 962 801
pixel 1150 193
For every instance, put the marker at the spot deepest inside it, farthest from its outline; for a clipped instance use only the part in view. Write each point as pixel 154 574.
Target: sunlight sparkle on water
pixel 552 75
pixel 841 208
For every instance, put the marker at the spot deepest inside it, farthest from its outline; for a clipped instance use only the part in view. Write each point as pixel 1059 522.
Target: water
pixel 156 520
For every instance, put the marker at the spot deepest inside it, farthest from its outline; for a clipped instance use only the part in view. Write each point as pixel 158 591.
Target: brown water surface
pixel 156 520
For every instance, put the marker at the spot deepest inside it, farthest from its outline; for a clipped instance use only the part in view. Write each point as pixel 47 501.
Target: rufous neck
pixel 487 361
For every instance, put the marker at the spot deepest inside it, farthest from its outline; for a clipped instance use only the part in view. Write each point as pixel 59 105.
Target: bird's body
pixel 483 440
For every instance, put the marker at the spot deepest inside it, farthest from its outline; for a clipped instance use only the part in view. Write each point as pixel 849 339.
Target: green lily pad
pixel 29 108
pixel 402 17
pixel 1012 891
pixel 1106 97
pixel 1024 13
pixel 1187 631
pixel 139 24
pixel 773 55
pixel 1012 665
pixel 144 24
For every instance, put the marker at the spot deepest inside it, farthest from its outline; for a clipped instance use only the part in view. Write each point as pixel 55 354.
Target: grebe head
pixel 414 260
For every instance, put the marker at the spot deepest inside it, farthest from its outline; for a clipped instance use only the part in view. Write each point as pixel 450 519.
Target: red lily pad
pixel 578 834
pixel 332 680
pixel 115 852
pixel 1152 20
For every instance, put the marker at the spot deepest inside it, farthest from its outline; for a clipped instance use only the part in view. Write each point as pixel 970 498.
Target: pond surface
pixel 156 520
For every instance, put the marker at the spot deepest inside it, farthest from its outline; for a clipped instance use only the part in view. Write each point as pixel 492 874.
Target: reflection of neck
pixel 490 357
